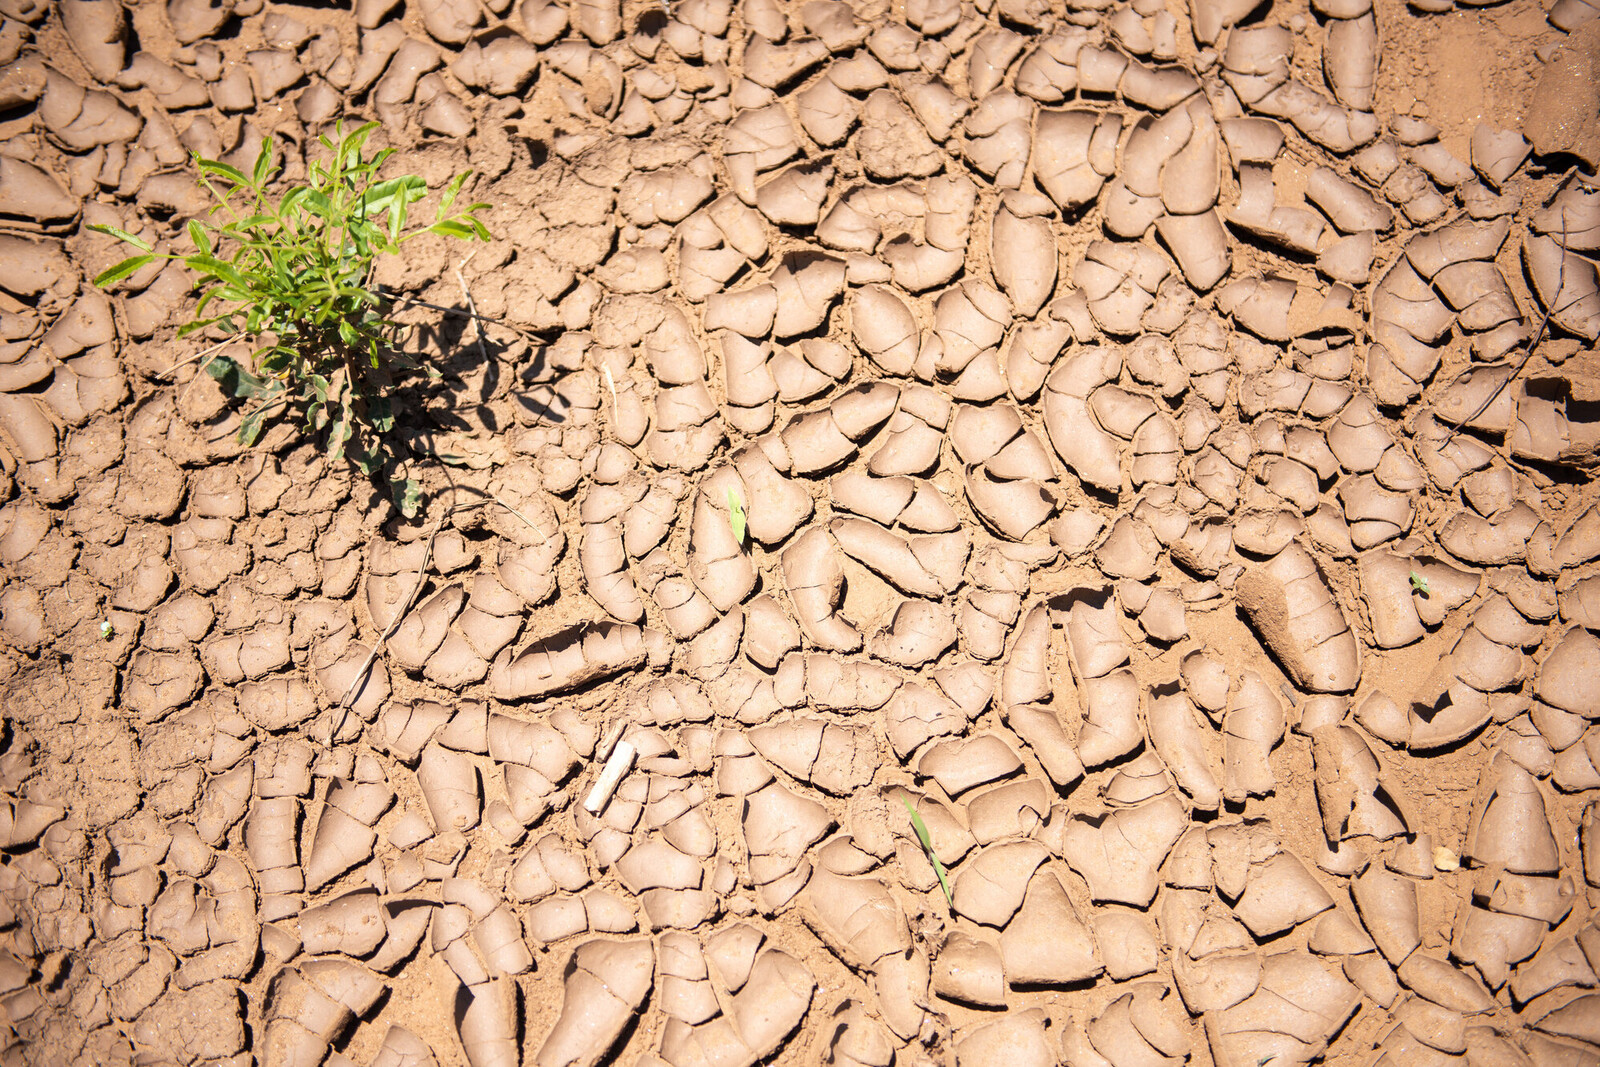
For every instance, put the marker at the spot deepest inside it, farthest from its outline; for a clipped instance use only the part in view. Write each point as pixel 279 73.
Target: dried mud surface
pixel 1088 377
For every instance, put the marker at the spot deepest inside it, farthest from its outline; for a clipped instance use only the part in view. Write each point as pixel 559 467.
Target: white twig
pixel 609 741
pixel 611 383
pixel 202 354
pixel 617 765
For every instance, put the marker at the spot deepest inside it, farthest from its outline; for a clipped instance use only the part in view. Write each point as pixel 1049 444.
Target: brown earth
pixel 1089 378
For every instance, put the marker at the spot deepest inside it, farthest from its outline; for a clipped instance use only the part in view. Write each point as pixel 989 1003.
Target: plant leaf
pixel 197 234
pixel 338 436
pixel 380 412
pixel 225 272
pixel 235 379
pixel 115 274
pixel 122 235
pixel 927 846
pixel 736 516
pixel 216 166
pixel 451 191
pixel 454 228
pixel 407 494
pixel 378 199
pixel 250 428
pixel 1419 584
pixel 263 163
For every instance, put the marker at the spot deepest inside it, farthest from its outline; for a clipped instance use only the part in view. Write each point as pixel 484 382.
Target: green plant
pixel 1419 584
pixel 736 516
pixel 927 846
pixel 292 274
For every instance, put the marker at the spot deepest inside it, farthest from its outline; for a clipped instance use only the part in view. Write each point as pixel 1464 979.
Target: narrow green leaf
pixel 355 140
pixel 289 203
pixel 453 228
pixel 736 517
pixel 216 166
pixel 451 191
pixel 197 234
pixel 122 270
pixel 927 846
pixel 122 235
pixel 318 204
pixel 216 268
pixel 263 163
pixel 199 324
pixel 208 293
pixel 248 223
pixel 397 222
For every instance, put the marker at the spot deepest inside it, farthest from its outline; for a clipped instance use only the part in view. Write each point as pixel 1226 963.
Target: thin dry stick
pixel 466 294
pixel 360 678
pixel 210 355
pixel 202 354
pixel 1527 353
pixel 611 383
pixel 1544 323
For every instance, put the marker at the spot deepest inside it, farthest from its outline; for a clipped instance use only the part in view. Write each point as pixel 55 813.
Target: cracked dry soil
pixel 1089 375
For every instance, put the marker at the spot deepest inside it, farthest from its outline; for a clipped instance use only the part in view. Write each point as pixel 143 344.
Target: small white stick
pixel 612 736
pixel 617 765
pixel 616 405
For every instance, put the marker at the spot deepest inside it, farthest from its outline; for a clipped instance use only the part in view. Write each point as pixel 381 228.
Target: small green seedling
pixel 736 517
pixel 293 275
pixel 1419 584
pixel 107 631
pixel 927 846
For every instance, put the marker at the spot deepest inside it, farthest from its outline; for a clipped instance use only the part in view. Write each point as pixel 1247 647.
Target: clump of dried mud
pixel 1164 438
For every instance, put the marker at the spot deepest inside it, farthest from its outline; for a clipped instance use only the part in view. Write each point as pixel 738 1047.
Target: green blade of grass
pixel 927 846
pixel 736 516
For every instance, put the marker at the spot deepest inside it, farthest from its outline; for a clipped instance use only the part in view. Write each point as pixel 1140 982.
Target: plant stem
pixel 1544 323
